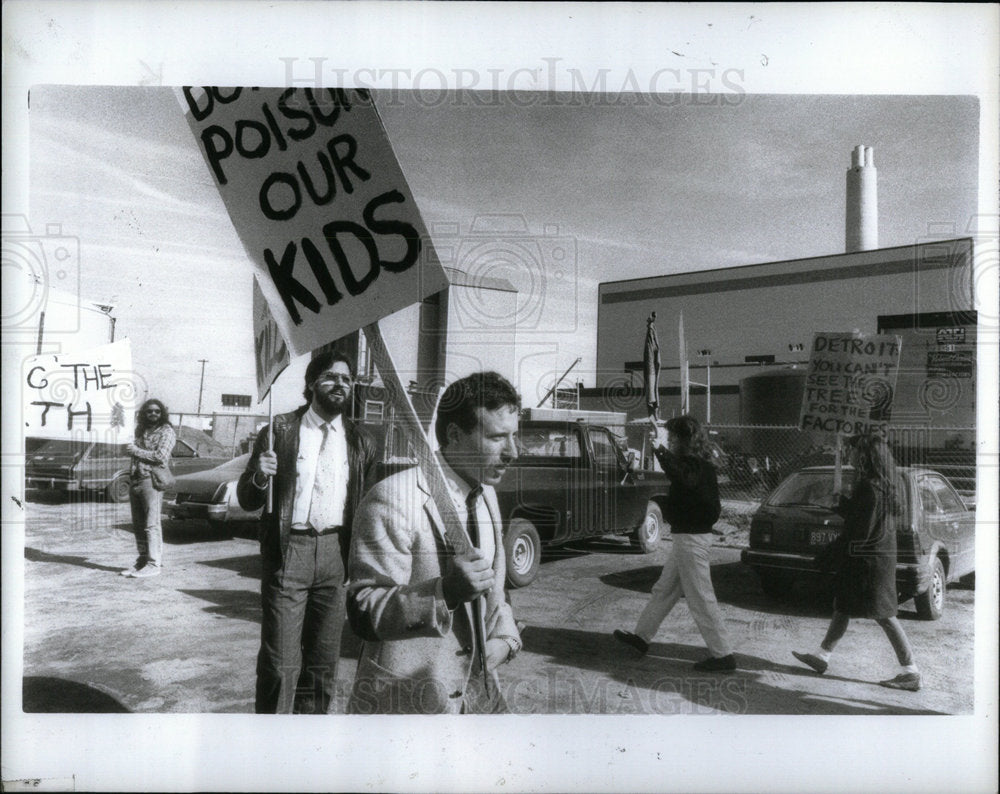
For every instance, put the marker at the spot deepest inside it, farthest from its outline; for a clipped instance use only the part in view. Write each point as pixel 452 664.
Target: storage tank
pixel 773 398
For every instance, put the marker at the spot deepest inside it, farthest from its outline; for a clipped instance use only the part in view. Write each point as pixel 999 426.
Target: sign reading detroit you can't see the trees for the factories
pixel 850 382
pixel 320 203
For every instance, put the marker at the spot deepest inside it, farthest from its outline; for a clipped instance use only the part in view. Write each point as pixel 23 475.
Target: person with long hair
pixel 691 507
pixel 865 560
pixel 153 445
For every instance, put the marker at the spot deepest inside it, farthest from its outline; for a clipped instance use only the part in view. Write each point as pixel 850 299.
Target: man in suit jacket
pixel 320 463
pixel 416 602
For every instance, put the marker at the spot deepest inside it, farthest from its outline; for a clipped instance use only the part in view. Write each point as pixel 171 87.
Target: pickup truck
pixel 574 480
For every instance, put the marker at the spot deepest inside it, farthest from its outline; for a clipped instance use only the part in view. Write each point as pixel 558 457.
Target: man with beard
pixel 435 619
pixel 320 463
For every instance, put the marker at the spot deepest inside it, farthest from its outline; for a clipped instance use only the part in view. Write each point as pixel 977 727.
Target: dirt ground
pixel 186 641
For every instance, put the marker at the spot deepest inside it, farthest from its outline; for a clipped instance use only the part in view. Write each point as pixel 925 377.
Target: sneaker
pixel 809 660
pixel 137 565
pixel 908 681
pixel 147 571
pixel 631 639
pixel 716 663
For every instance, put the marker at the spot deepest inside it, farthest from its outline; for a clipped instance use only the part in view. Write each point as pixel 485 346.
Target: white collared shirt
pixel 459 490
pixel 310 439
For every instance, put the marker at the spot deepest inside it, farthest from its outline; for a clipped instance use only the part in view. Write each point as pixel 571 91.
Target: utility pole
pixel 201 386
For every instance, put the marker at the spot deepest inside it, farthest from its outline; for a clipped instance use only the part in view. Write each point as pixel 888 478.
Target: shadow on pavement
pixel 35 555
pixel 244 565
pixel 240 604
pixel 662 681
pixel 44 695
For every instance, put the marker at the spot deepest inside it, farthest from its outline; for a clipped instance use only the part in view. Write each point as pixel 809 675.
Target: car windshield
pixel 547 442
pixel 808 489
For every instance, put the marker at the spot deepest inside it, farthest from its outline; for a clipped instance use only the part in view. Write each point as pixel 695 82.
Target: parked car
pixel 935 534
pixel 93 466
pixel 572 481
pixel 211 495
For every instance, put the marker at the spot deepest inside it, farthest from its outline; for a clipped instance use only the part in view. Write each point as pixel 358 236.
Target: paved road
pixel 185 642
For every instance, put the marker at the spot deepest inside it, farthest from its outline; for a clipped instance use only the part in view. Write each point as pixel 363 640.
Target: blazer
pixel 417 655
pixel 275 526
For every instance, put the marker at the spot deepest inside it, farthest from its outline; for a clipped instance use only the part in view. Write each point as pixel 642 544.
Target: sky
pixel 635 187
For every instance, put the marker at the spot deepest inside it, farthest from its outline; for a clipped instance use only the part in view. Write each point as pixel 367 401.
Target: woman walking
pixel 865 558
pixel 154 442
pixel 691 508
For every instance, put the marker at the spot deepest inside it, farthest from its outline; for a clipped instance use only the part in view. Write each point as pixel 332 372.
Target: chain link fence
pixel 753 459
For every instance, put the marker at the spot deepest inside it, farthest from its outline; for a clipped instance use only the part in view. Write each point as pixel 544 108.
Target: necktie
pixel 320 507
pixel 478 619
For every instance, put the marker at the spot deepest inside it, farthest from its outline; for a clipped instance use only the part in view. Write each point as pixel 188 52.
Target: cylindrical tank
pixel 772 398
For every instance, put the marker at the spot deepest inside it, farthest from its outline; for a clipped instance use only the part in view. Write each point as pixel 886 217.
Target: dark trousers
pixel 302 603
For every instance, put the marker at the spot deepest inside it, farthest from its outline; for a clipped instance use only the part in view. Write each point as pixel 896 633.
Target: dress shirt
pixel 459 490
pixel 310 440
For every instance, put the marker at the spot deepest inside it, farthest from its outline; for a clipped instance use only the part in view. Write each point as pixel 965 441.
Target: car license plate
pixel 821 537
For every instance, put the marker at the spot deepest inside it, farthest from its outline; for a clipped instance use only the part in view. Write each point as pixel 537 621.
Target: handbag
pixel 162 477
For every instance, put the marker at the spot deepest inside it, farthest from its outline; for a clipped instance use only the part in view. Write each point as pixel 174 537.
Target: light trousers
pixel 687 572
pixel 145 502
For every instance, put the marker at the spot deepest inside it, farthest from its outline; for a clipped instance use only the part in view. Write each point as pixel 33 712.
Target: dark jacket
pixel 692 504
pixel 274 526
pixel 866 568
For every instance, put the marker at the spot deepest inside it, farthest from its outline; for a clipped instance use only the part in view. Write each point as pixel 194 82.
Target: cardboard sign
pixel 270 352
pixel 320 203
pixel 850 383
pixel 87 395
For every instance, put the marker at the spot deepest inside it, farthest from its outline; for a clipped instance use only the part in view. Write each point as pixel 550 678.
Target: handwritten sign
pixel 320 203
pixel 270 351
pixel 85 395
pixel 850 383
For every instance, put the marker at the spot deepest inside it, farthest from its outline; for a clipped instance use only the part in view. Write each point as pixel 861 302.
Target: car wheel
pixel 118 489
pixel 930 603
pixel 524 552
pixel 647 534
pixel 774 585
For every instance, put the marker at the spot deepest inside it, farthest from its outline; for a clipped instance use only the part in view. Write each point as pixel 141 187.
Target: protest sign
pixel 320 203
pixel 850 383
pixel 270 351
pixel 87 395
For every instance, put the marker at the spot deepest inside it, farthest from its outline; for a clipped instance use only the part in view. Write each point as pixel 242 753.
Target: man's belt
pixel 315 533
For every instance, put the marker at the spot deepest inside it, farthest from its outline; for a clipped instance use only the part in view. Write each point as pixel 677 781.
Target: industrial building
pixel 746 331
pixel 741 322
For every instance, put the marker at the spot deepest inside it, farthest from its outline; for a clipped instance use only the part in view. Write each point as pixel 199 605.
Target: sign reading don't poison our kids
pixel 320 203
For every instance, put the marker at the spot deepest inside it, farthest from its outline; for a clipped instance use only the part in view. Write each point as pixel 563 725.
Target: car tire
pixel 930 603
pixel 646 536
pixel 523 548
pixel 118 489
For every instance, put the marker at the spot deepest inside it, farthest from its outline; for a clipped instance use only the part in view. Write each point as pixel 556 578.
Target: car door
pixel 956 524
pixel 607 473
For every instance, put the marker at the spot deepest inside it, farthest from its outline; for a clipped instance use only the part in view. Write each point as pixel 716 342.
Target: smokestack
pixel 861 220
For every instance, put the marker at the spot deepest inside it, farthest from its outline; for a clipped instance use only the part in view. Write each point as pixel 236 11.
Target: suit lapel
pixel 490 495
